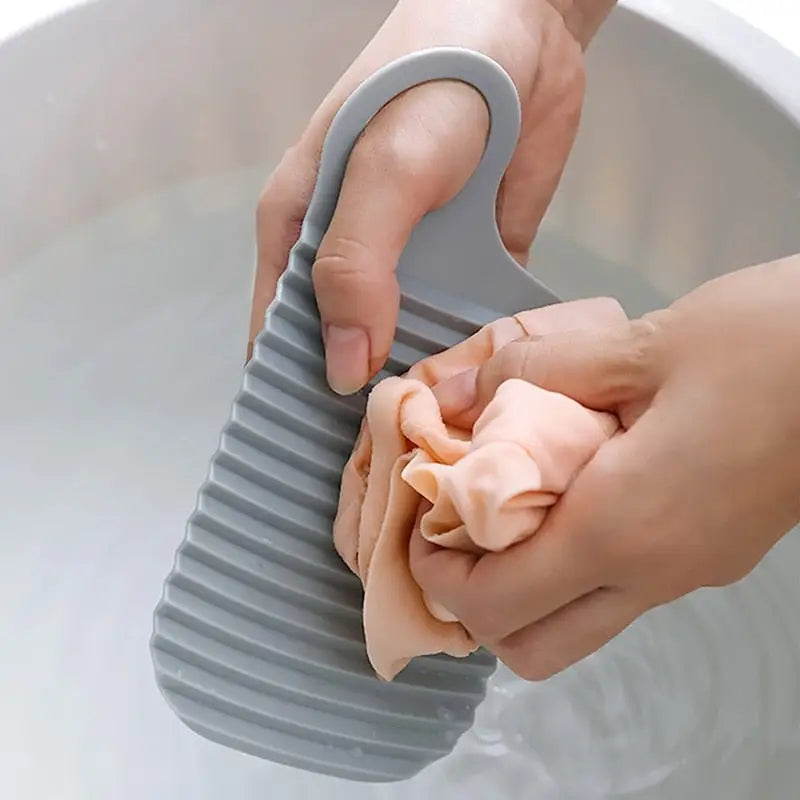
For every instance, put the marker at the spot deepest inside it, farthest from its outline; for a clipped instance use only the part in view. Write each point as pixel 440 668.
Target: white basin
pixel 135 138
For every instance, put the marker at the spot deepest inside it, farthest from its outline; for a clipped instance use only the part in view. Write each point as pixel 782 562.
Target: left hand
pixel 703 481
pixel 416 154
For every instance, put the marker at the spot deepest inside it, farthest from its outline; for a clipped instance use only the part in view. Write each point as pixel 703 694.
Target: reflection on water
pixel 123 346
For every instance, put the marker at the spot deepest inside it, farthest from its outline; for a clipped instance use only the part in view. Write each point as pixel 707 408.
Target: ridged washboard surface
pixel 258 642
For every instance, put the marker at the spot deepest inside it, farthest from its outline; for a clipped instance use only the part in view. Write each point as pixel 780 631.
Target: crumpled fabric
pixel 489 487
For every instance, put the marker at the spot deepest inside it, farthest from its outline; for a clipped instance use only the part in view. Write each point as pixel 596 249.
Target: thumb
pixel 415 156
pixel 607 369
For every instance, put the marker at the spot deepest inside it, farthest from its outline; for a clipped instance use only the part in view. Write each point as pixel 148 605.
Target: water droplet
pixel 502 691
pixel 445 714
pixel 487 735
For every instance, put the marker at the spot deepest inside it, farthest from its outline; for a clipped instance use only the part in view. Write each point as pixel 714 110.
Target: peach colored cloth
pixel 489 488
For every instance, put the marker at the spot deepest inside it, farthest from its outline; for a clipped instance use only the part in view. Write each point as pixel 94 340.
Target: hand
pixel 703 481
pixel 416 155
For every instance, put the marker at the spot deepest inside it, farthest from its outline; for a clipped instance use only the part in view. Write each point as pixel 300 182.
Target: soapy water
pixel 138 319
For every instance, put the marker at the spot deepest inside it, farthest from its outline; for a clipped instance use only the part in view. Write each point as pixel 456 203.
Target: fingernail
pixel 458 394
pixel 347 358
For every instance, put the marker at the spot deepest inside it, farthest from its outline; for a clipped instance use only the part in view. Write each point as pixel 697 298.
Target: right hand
pixel 701 482
pixel 415 156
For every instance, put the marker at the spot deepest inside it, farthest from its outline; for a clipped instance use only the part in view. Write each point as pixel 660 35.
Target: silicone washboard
pixel 258 640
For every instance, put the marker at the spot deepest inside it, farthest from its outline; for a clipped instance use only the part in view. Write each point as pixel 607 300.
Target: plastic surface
pixel 257 641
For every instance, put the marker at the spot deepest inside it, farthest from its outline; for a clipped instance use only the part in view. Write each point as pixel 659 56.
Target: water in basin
pixel 147 304
pixel 126 257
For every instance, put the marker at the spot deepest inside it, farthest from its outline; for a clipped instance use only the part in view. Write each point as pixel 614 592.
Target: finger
pixel 605 369
pixel 458 398
pixel 549 127
pixel 415 155
pixel 549 646
pixel 498 593
pixel 443 570
pixel 458 394
pixel 284 201
pixel 599 368
pixel 279 216
pixel 577 550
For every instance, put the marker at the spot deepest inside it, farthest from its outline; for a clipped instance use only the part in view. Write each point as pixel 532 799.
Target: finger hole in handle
pixel 442 63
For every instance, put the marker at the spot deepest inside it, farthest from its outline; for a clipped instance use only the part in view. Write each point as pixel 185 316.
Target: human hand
pixel 401 436
pixel 415 156
pixel 703 481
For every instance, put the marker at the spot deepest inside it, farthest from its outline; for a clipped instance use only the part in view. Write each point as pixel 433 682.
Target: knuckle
pixel 517 360
pixel 528 366
pixel 482 608
pixel 537 670
pixel 284 190
pixel 629 361
pixel 402 140
pixel 642 335
pixel 479 619
pixel 422 142
pixel 343 252
pixel 387 151
pixel 530 664
pixel 343 264
pixel 639 354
